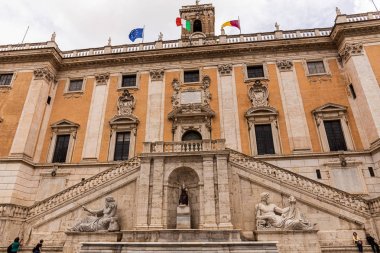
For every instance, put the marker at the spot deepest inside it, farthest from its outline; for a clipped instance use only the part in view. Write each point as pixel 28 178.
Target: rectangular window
pixel 316 67
pixel 122 146
pixel 255 71
pixel 191 76
pixel 335 135
pixel 319 175
pixel 352 90
pixel 61 147
pixel 371 171
pixel 75 85
pixel 264 139
pixel 6 79
pixel 129 80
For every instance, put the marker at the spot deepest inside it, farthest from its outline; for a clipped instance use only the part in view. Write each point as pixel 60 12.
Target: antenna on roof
pixel 27 29
pixel 375 5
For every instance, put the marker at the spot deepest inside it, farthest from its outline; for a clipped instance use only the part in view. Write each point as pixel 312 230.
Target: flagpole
pixel 143 34
pixel 27 29
pixel 374 5
pixel 239 24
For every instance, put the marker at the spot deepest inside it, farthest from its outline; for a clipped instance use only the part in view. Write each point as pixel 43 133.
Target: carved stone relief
pixel 351 49
pixel 285 65
pixel 225 70
pixel 259 94
pixel 102 79
pixel 157 74
pixel 44 74
pixel 126 104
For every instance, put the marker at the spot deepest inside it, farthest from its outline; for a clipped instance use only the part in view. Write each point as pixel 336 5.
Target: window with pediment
pixel 62 141
pixel 333 128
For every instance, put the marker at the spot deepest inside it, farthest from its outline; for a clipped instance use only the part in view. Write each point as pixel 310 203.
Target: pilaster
pixel 25 140
pixel 95 122
pixel 229 121
pixel 157 194
pixel 209 193
pixel 224 193
pixel 366 87
pixel 295 117
pixel 143 195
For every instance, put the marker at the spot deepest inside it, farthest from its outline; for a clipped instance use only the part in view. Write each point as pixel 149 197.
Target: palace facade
pixel 230 117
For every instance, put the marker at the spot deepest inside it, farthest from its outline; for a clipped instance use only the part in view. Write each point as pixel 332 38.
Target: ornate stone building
pixel 267 142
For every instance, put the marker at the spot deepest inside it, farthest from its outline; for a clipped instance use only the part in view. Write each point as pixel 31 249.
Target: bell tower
pixel 201 17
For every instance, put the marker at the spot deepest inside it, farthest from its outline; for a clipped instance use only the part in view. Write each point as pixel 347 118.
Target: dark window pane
pixel 191 76
pixel 192 136
pixel 197 26
pixel 264 139
pixel 128 81
pixel 122 146
pixel 335 135
pixel 76 85
pixel 61 146
pixel 319 175
pixel 353 93
pixel 316 67
pixel 255 71
pixel 371 171
pixel 6 79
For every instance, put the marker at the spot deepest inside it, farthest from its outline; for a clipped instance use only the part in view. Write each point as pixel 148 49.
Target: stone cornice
pixel 44 74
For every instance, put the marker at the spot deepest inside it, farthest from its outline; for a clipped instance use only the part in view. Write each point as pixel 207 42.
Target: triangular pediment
pixel 191 110
pixel 330 107
pixel 124 120
pixel 64 123
pixel 261 111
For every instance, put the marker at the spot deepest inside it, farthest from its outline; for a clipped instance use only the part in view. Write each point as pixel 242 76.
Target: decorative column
pixel 157 194
pixel 296 123
pixel 25 140
pixel 224 193
pixel 367 89
pixel 156 99
pixel 209 193
pixel 143 195
pixel 95 121
pixel 229 121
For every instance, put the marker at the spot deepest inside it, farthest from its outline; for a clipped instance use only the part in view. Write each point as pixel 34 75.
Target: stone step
pixel 182 247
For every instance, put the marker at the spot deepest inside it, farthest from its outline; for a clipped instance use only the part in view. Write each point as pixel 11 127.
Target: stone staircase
pixel 308 186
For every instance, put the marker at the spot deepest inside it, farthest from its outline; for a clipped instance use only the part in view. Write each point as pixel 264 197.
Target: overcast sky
pixel 89 23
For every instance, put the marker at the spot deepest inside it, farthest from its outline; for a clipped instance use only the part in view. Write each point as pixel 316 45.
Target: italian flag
pixel 186 24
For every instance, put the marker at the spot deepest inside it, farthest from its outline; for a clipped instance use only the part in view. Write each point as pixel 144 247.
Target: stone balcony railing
pixel 221 39
pixel 184 146
pixel 13 211
pixel 374 205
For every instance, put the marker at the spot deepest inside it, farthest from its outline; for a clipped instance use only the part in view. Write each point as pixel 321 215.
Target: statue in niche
pixel 271 216
pixel 99 220
pixel 126 103
pixel 184 196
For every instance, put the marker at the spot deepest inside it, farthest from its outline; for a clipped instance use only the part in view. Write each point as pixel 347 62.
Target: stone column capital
pixel 44 74
pixel 157 74
pixel 351 49
pixel 102 79
pixel 285 65
pixel 225 70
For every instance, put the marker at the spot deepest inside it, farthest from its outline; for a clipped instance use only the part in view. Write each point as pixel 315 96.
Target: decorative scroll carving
pixel 157 74
pixel 102 79
pixel 126 104
pixel 258 94
pixel 103 219
pixel 225 70
pixel 44 74
pixel 270 216
pixel 285 65
pixel 176 96
pixel 351 49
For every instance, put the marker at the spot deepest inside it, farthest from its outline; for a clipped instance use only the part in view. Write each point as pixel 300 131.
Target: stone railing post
pixel 278 35
pixel 341 19
pixel 159 44
pixel 147 147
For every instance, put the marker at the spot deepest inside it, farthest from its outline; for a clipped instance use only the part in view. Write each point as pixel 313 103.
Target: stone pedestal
pixel 74 239
pixel 292 241
pixel 183 217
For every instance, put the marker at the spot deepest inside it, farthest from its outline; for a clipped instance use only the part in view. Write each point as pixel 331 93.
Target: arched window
pixel 197 26
pixel 192 136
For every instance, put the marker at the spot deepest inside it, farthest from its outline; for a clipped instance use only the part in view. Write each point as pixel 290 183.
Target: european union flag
pixel 136 33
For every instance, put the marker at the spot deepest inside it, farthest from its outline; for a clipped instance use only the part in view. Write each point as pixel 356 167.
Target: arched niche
pixel 197 26
pixel 191 135
pixel 190 178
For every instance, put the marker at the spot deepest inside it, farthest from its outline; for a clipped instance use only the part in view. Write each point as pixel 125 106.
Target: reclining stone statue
pixel 99 220
pixel 271 216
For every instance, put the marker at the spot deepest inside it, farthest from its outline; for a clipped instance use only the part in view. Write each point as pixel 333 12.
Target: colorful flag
pixel 136 33
pixel 234 23
pixel 186 24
